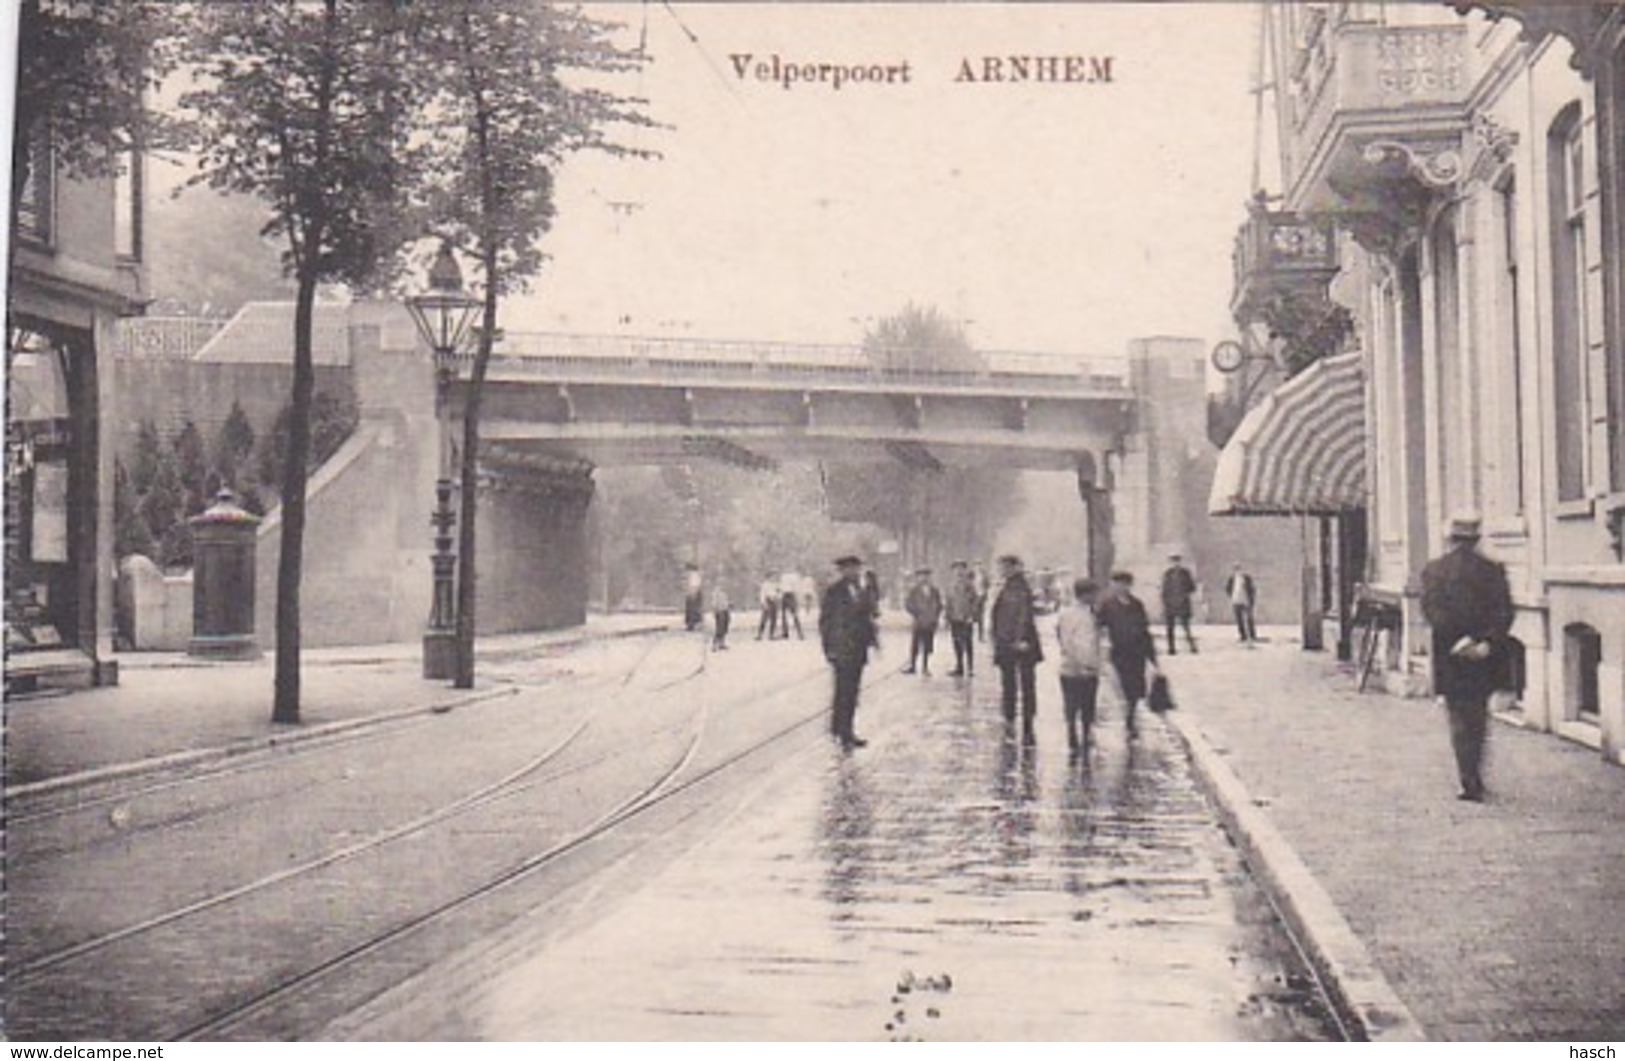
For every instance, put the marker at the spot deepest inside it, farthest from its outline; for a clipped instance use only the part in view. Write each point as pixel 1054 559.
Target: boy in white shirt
pixel 1078 631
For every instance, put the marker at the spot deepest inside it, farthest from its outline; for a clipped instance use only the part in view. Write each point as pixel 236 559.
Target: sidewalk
pixel 1492 921
pixel 170 706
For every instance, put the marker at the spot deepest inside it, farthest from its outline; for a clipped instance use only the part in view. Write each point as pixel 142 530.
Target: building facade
pixel 1469 163
pixel 75 270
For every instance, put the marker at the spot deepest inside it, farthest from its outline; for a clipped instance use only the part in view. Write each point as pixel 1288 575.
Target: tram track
pixel 686 765
pixel 656 794
pixel 26 969
pixel 114 795
pixel 107 787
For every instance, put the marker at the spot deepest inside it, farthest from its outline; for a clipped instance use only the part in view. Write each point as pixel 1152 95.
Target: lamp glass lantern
pixel 445 313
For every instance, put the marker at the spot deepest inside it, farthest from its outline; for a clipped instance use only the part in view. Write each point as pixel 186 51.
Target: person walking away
pixel 846 630
pixel 721 618
pixel 1133 648
pixel 1016 650
pixel 1465 598
pixel 693 599
pixel 767 597
pixel 1077 628
pixel 960 607
pixel 790 604
pixel 1243 594
pixel 1178 587
pixel 924 606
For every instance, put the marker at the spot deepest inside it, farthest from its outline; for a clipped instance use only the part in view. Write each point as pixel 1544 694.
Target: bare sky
pixel 1050 216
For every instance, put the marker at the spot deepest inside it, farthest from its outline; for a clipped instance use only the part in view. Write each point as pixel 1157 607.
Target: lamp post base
pixel 440 654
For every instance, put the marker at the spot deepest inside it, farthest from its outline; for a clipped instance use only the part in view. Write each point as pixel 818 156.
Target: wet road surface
pixel 945 883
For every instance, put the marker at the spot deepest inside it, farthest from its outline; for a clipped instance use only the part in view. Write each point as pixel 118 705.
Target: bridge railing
pixel 535 353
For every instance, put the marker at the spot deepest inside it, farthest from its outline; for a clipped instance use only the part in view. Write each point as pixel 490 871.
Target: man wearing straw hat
pixel 1466 600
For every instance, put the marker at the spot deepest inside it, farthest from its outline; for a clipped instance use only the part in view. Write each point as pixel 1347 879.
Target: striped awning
pixel 1301 451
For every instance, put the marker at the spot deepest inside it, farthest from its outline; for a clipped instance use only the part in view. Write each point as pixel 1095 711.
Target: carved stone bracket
pixel 1440 168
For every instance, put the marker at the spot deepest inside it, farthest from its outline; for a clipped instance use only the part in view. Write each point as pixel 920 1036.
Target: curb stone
pixel 200 756
pixel 1366 1004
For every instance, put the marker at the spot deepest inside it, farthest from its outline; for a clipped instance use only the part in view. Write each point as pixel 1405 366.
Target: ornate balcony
pixel 1376 122
pixel 1278 252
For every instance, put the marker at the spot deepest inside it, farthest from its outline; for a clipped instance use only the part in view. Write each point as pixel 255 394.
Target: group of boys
pixel 963 606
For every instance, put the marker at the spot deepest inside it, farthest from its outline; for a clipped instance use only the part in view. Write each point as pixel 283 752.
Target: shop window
pixel 1565 157
pixel 39 590
pixel 1582 659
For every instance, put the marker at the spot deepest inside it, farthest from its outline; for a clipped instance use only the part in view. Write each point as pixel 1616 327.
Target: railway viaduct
pixel 558 406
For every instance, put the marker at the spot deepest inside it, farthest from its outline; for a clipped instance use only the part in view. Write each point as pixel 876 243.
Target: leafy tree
pixel 130 532
pixel 333 419
pixel 501 120
pixel 921 338
pixel 233 446
pixel 149 453
pixel 305 105
pixel 192 467
pixel 163 509
pixel 209 277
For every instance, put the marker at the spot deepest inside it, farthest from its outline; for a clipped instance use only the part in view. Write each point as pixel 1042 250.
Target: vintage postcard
pixel 796 522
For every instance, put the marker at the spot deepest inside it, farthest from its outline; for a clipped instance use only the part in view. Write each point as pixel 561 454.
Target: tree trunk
pixel 290 561
pixel 466 576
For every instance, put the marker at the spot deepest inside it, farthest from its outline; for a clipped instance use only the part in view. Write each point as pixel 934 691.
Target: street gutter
pixel 1366 1003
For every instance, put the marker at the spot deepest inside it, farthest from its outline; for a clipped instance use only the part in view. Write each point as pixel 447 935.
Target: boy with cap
pixel 1134 649
pixel 1077 628
pixel 1178 587
pixel 924 606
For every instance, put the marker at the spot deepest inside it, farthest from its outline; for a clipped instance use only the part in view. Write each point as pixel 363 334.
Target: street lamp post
pixel 443 315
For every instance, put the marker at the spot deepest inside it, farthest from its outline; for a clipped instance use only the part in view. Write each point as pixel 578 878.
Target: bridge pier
pixel 1094 490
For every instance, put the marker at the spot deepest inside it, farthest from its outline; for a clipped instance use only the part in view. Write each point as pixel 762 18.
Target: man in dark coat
pixel 846 626
pixel 1016 649
pixel 1133 649
pixel 1465 598
pixel 1178 587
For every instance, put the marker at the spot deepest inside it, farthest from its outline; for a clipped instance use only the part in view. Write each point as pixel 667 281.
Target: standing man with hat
pixel 1016 650
pixel 1465 598
pixel 846 626
pixel 1178 587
